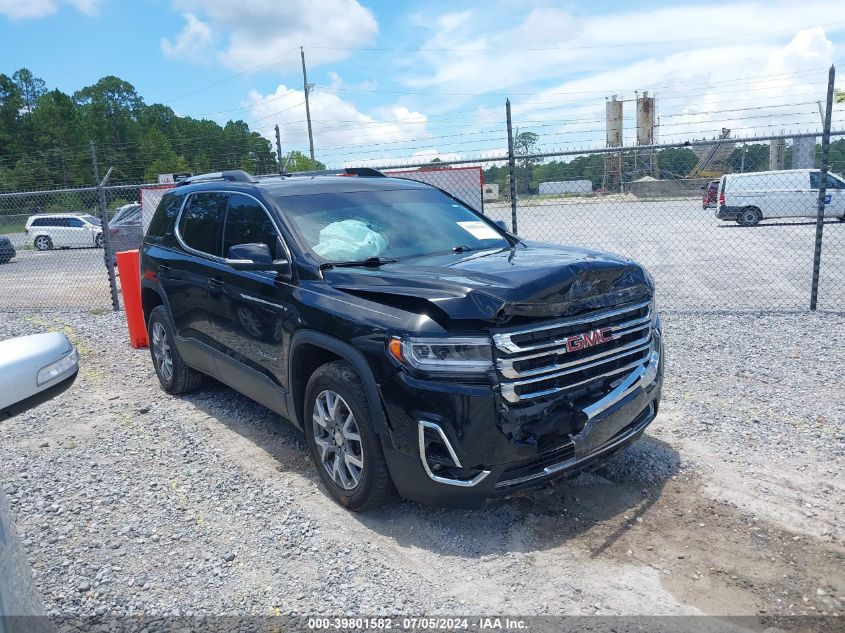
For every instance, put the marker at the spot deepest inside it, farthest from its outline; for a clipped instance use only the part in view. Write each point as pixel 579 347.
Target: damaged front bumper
pixel 447 447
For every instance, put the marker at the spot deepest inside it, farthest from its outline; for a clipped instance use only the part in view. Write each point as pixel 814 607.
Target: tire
pixel 347 454
pixel 98 241
pixel 43 243
pixel 173 374
pixel 749 216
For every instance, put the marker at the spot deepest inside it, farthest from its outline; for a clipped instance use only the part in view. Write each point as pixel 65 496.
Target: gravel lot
pixel 130 501
pixel 698 261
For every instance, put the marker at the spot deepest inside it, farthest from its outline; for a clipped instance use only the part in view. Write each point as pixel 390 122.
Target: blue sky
pixel 399 80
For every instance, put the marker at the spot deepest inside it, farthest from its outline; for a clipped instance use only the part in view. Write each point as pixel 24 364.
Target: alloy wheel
pixel 161 352
pixel 338 439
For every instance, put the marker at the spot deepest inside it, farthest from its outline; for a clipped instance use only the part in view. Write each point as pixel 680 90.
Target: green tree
pixel 525 143
pixel 297 161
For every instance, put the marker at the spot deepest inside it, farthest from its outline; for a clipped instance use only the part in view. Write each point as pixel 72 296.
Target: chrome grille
pixel 570 353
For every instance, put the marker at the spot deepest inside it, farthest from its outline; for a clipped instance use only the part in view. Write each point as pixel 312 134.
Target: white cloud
pixel 33 9
pixel 558 67
pixel 268 33
pixel 582 45
pixel 194 43
pixel 342 133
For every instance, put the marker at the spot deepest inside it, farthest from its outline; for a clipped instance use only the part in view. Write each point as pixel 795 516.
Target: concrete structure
pixel 804 152
pixel 566 186
pixel 613 162
pixel 645 119
pixel 777 154
pixel 491 191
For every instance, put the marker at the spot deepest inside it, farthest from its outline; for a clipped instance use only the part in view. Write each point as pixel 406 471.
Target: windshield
pixel 90 219
pixel 387 224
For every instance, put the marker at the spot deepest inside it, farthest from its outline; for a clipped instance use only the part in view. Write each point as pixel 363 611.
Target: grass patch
pixel 12 227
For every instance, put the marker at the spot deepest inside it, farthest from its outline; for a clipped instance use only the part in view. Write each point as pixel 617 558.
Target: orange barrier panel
pixel 130 286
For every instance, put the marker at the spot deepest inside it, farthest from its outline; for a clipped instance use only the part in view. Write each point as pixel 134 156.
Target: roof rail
pixel 231 175
pixel 361 172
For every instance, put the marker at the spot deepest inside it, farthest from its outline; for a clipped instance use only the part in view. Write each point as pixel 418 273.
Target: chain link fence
pixel 53 249
pixel 722 225
pixel 727 233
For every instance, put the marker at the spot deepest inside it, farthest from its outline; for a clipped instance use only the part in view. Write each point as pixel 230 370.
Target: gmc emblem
pixel 589 339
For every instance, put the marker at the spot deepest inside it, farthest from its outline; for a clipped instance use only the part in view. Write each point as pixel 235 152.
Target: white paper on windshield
pixel 479 230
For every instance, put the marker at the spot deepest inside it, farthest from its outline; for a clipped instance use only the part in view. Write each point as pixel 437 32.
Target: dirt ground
pixel 116 476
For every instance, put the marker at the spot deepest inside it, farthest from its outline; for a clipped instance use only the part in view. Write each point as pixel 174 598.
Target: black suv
pixel 421 347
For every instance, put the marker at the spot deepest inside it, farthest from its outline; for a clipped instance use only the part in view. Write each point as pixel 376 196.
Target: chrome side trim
pixel 505 343
pixel 211 256
pixel 423 425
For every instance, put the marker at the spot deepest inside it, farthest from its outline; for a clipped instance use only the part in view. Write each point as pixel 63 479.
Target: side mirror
pixel 502 225
pixel 255 257
pixel 34 369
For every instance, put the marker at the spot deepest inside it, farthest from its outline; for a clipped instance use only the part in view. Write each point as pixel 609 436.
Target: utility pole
pixel 307 87
pixel 511 167
pixel 279 150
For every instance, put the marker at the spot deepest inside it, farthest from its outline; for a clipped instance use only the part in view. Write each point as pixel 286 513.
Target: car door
pixel 834 198
pixel 252 316
pixel 59 232
pixel 187 273
pixel 77 233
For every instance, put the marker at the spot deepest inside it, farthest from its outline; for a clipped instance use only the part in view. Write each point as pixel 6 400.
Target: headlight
pixel 464 355
pixel 64 366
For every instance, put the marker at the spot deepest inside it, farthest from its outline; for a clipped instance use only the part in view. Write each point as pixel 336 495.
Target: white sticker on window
pixel 479 230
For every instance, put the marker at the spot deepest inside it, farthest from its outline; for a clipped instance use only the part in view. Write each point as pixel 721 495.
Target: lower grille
pixel 529 469
pixel 566 354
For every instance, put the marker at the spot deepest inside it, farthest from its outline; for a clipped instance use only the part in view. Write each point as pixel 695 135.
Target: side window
pixel 248 223
pixel 74 222
pixel 38 222
pixel 833 183
pixel 201 222
pixel 162 221
pixel 815 179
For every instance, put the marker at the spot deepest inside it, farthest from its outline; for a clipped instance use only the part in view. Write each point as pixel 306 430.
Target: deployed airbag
pixel 349 240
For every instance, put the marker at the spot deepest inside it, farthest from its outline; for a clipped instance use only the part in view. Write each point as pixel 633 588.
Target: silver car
pixel 125 232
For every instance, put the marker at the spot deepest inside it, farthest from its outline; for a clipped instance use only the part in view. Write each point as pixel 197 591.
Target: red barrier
pixel 130 286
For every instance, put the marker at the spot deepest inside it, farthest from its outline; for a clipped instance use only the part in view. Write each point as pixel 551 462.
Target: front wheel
pixel 341 439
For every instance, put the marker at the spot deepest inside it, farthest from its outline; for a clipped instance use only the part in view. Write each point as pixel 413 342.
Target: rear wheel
pixel 343 444
pixel 173 374
pixel 43 243
pixel 749 216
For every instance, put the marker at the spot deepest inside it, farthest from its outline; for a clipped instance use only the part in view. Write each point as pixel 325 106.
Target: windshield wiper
pixel 370 261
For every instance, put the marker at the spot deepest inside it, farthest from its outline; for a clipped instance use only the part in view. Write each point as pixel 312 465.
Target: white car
pixel 789 193
pixel 64 230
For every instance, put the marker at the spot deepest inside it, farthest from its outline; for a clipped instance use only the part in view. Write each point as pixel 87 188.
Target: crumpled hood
pixel 531 280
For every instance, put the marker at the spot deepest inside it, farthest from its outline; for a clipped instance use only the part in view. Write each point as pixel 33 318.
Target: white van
pixel 791 193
